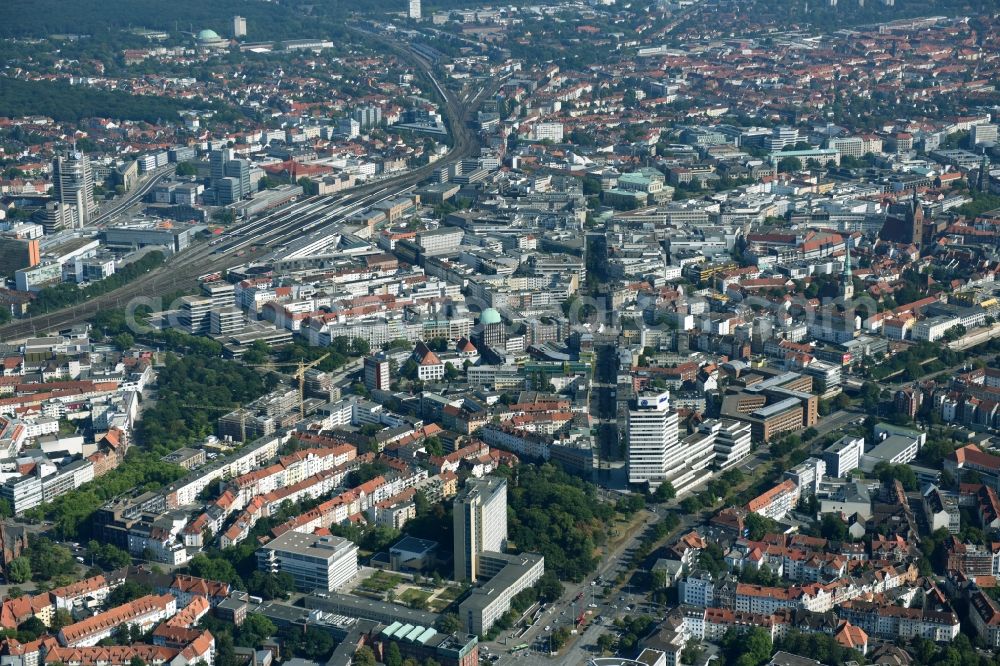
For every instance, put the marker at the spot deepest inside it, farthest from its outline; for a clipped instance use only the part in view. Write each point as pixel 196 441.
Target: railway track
pixel 278 227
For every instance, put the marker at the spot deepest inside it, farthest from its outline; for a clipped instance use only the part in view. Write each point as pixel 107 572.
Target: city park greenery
pixel 557 515
pixel 72 512
pixel 193 391
pixel 63 102
pixel 199 378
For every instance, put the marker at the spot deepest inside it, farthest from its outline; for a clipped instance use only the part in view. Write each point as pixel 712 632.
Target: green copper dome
pixel 489 316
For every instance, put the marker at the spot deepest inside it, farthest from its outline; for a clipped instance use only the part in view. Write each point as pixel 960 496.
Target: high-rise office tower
pixel 376 374
pixel 480 521
pixel 73 184
pixel 414 12
pixel 367 116
pixel 239 27
pixel 652 439
pixel 227 191
pixel 218 159
pixel 240 171
pixel 17 253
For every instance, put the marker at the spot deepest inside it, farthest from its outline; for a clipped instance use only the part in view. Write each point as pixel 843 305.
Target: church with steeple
pixel 905 223
pixel 847 280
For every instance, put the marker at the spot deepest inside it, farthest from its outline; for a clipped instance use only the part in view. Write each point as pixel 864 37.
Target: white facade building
pixel 480 521
pixel 844 455
pixel 323 563
pixel 652 439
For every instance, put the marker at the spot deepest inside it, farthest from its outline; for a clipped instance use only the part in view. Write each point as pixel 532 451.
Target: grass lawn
pixel 415 598
pixel 381 581
pixel 450 593
pixel 621 529
pixel 438 605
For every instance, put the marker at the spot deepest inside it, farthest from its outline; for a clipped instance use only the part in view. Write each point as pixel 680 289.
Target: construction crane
pixel 237 408
pixel 299 374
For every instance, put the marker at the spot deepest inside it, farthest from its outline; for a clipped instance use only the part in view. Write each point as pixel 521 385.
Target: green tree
pixel 712 559
pixel 789 164
pixel 833 527
pixel 314 644
pixel 108 556
pixel 409 369
pixel 434 446
pixel 256 629
pixel 186 169
pixel 19 570
pixel 270 585
pixel 48 559
pixel 757 526
pixel 123 341
pixel 664 492
pixel 393 657
pixel 630 504
pixel 548 587
pixel 449 623
pixel 752 648
pixel 557 515
pixel 559 637
pixel 128 591
pixel 902 473
pixel 61 618
pixel 33 627
pixel 690 504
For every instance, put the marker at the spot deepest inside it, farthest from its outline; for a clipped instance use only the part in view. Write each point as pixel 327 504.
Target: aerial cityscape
pixel 446 333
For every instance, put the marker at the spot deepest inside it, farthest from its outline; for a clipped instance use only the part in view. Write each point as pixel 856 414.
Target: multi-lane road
pixel 130 198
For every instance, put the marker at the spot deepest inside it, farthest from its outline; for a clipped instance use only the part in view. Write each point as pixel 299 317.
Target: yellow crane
pixel 299 374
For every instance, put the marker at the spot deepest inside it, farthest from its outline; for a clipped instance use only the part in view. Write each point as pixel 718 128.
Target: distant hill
pixel 265 20
pixel 849 13
pixel 282 19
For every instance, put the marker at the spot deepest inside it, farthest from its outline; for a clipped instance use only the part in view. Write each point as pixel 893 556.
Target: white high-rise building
pixel 480 520
pixel 550 131
pixel 239 27
pixel 323 563
pixel 982 134
pixel 732 441
pixel 844 455
pixel 414 12
pixel 781 137
pixel 652 439
pixel 73 184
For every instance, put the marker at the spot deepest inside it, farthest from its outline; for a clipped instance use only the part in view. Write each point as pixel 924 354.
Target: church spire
pixel 847 279
pixel 917 221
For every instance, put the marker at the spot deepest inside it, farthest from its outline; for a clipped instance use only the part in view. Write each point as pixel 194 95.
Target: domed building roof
pixel 208 36
pixel 489 316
